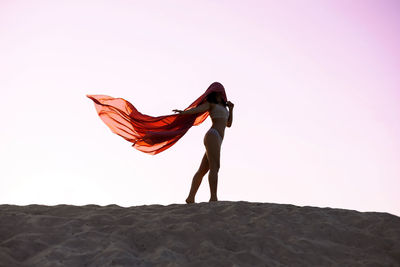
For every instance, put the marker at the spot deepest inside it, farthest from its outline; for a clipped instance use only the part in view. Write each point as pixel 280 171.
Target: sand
pixel 205 234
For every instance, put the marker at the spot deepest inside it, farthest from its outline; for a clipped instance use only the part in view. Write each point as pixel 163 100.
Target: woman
pixel 221 118
pixel 153 135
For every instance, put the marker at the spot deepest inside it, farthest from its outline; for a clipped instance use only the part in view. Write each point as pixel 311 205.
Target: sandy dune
pixel 205 234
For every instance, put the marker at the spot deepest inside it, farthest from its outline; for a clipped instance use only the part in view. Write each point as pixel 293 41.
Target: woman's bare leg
pixel 213 148
pixel 197 178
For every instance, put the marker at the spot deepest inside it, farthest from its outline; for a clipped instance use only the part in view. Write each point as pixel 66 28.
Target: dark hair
pixel 212 98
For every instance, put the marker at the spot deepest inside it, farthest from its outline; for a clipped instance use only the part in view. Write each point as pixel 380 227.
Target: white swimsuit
pixel 218 111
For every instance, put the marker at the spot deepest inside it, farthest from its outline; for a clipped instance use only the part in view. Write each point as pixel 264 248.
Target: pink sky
pixel 316 89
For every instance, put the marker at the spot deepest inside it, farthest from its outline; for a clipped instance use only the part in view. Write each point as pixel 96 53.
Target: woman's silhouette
pixel 221 118
pixel 154 134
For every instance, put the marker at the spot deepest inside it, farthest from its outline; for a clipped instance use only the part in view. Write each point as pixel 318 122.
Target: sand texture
pixel 206 234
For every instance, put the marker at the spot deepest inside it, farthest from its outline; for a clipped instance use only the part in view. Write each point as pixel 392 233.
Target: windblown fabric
pixel 149 134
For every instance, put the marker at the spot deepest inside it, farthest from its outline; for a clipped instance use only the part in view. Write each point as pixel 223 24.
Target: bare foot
pixel 213 199
pixel 189 200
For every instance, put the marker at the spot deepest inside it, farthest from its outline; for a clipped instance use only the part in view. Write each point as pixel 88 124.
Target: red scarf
pixel 149 134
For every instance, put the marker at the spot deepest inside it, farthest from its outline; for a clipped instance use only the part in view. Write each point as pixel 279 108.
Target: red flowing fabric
pixel 149 134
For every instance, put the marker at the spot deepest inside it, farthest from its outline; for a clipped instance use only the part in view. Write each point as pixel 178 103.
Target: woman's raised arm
pixel 199 109
pixel 230 118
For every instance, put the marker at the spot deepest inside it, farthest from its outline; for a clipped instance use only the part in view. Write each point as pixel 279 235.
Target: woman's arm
pixel 199 109
pixel 230 118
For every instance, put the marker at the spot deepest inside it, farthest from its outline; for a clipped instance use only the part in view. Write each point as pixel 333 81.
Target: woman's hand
pixel 177 111
pixel 230 104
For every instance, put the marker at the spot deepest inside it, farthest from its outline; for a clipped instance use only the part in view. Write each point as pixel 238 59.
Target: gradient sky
pixel 316 88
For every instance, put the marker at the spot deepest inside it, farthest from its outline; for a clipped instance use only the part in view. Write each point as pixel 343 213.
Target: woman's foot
pixel 190 200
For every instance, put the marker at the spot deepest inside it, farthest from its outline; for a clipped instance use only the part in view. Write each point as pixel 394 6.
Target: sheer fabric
pixel 149 134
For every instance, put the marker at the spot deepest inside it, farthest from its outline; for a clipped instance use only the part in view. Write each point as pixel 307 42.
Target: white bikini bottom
pixel 215 132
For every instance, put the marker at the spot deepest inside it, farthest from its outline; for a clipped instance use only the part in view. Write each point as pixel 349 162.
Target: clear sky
pixel 316 88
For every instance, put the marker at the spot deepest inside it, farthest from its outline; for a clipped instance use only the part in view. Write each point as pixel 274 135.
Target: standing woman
pixel 155 134
pixel 221 118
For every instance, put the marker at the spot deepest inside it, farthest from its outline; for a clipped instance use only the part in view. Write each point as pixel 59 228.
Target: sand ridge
pixel 206 234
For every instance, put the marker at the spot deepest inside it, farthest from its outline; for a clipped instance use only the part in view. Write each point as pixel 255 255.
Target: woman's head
pixel 216 97
pixel 216 93
pixel 214 87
